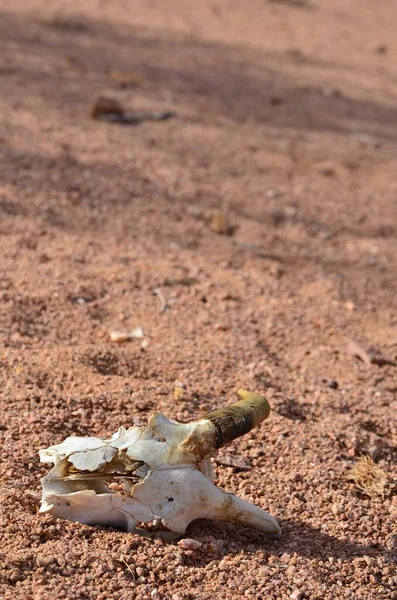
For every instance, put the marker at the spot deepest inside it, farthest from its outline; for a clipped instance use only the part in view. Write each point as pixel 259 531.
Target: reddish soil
pixel 286 116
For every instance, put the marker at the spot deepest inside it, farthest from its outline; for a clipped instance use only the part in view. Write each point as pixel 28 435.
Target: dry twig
pixel 164 304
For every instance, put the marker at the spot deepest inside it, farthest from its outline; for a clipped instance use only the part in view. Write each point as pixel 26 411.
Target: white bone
pixel 166 473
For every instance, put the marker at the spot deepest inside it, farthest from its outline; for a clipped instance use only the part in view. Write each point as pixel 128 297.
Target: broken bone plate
pixel 160 474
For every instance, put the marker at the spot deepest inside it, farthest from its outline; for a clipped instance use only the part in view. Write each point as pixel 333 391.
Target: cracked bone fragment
pixel 160 474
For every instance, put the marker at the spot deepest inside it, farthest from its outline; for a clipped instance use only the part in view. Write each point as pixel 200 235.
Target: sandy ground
pixel 286 121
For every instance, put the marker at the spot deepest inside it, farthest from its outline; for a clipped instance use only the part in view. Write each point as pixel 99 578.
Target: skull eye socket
pixel 170 499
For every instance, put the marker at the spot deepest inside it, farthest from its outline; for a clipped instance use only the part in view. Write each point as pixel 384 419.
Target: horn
pixel 239 418
pixel 239 511
pixel 219 427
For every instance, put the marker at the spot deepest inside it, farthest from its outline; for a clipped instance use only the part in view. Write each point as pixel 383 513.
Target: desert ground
pixel 252 236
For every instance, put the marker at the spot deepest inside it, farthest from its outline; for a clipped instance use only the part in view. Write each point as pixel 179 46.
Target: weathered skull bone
pixel 158 474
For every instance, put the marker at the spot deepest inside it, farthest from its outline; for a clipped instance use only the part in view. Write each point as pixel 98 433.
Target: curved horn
pixel 239 418
pixel 239 511
pixel 219 427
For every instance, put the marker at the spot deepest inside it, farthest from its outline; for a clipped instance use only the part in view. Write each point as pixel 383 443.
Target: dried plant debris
pixel 112 111
pixel 299 3
pixel 119 337
pixel 219 219
pixel 154 480
pixel 74 63
pixel 220 223
pixel 228 460
pixel 65 23
pixel 368 477
pixel 369 356
pixel 126 80
pixel 106 106
pixel 163 301
pixel 186 281
pixel 178 393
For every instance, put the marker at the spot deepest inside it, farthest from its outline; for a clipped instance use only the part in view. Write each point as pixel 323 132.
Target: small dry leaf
pixel 220 223
pixel 368 477
pixel 370 356
pixel 178 393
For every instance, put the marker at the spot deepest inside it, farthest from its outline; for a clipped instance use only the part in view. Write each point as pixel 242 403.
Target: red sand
pixel 287 114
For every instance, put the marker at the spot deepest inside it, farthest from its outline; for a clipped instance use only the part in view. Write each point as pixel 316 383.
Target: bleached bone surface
pixel 157 474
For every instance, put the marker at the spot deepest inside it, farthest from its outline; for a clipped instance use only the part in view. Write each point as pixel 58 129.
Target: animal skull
pixel 163 472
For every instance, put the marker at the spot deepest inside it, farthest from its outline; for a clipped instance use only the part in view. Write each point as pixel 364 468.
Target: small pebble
pixel 113 486
pixel 189 544
pixel 381 49
pixel 216 546
pixel 119 336
pixel 375 453
pixel 331 383
pixel 101 570
pixel 297 595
